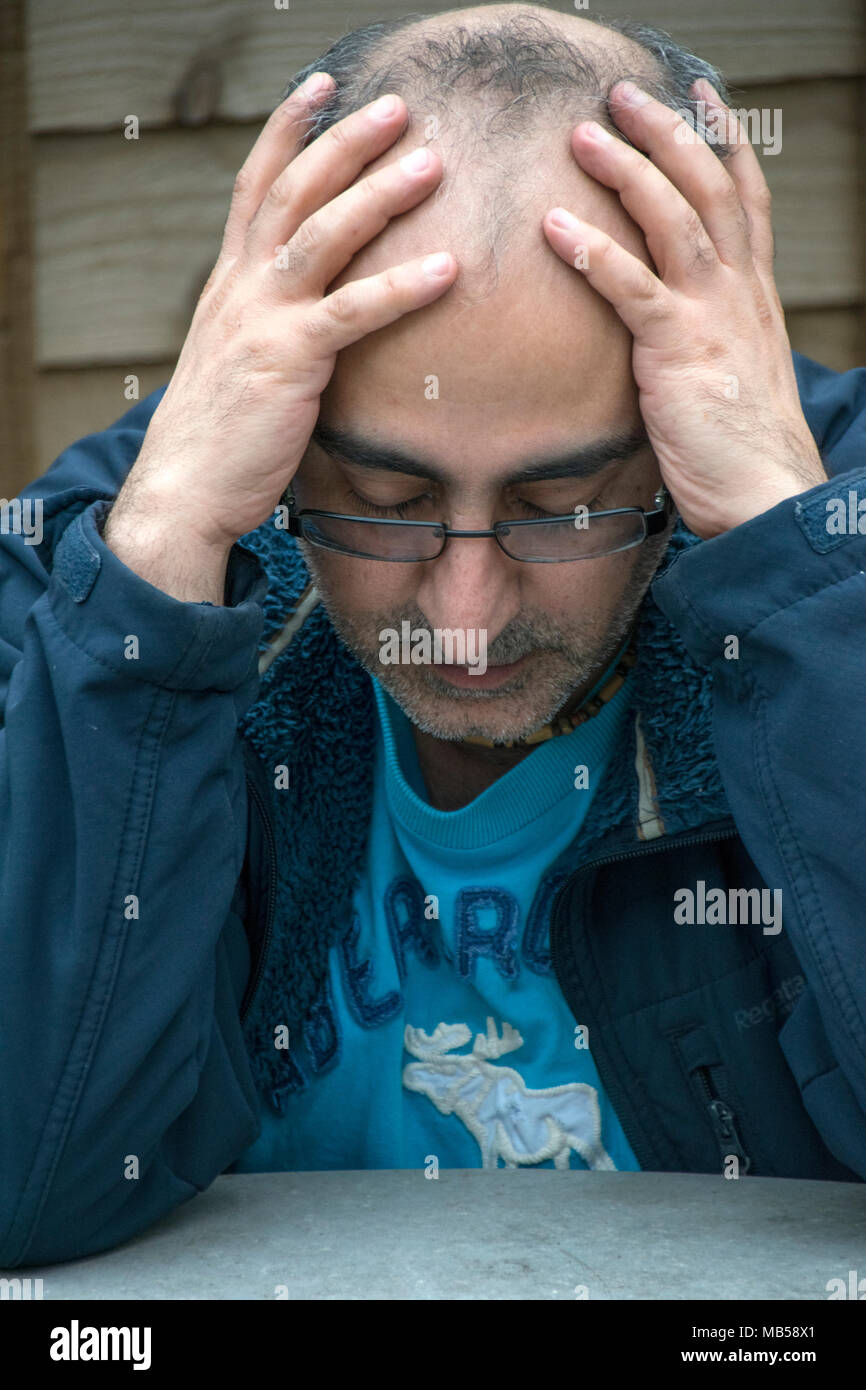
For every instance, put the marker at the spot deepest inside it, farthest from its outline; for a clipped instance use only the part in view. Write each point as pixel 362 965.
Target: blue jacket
pixel 165 908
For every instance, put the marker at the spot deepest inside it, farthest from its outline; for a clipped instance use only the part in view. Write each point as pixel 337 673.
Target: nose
pixel 472 584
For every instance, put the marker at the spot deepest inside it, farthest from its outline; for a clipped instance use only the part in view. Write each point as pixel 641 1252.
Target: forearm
pixel 122 807
pixel 776 609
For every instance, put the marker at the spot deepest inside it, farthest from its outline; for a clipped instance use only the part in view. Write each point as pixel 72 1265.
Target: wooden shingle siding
pixel 123 233
pixel 97 60
pixel 128 229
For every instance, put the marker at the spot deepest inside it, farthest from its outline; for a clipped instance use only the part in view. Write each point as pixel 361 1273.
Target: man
pixel 478 793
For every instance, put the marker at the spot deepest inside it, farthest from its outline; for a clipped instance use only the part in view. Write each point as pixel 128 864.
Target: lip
pixel 491 679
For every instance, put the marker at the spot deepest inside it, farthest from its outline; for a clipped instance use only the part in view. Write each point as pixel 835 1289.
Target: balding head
pixel 496 90
pixel 519 360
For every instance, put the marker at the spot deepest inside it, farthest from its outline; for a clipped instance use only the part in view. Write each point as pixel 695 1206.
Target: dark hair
pixel 495 80
pixel 519 59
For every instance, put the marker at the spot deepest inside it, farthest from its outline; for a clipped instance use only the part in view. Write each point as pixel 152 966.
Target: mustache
pixel 522 635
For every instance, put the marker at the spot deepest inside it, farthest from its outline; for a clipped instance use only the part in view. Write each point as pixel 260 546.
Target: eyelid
pixel 382 508
pixel 533 506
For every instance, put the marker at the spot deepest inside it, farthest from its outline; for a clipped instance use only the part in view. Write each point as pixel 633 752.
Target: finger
pixel 323 170
pixel 744 169
pixel 362 306
pixel 638 296
pixel 327 241
pixel 676 237
pixel 278 143
pixel 685 159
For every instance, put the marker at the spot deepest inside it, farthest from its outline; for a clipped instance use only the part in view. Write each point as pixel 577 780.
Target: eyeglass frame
pixel 654 523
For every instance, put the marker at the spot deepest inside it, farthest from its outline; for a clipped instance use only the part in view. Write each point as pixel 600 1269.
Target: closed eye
pixel 395 509
pixel 536 513
pixel 401 510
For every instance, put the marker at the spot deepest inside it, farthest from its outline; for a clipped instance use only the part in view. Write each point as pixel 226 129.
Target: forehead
pixel 516 347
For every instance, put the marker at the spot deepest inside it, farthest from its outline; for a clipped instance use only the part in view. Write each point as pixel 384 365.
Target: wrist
pixel 758 499
pixel 161 547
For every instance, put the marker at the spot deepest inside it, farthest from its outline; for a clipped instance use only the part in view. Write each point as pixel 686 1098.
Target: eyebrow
pixel 579 462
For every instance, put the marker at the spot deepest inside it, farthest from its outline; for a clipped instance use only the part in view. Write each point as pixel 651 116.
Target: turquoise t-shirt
pixel 442 1033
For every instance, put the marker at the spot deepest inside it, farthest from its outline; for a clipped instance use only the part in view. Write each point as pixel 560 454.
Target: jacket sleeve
pixel 790 731
pixel 124 1083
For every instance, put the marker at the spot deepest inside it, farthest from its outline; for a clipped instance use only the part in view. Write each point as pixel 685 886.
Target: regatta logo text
pixel 443 646
pixel 736 907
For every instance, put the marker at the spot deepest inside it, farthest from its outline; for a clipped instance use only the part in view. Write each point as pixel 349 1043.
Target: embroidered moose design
pixel 509 1121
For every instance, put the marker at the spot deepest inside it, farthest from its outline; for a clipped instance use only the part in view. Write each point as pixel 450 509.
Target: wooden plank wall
pixel 17 449
pixel 125 231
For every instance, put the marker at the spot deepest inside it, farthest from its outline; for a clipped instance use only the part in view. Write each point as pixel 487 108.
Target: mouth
pixel 492 679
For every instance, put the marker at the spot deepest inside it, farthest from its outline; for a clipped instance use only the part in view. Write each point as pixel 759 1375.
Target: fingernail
pixel 704 92
pixel 560 218
pixel 633 95
pixel 384 108
pixel 416 161
pixel 438 264
pixel 317 82
pixel 597 132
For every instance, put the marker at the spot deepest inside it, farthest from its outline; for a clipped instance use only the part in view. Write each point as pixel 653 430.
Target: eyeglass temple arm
pixel 288 500
pixel 657 521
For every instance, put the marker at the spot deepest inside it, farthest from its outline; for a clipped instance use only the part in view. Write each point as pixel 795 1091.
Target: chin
pixel 504 716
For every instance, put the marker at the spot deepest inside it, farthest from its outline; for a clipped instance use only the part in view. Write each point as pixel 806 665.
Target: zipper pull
pixel 724 1124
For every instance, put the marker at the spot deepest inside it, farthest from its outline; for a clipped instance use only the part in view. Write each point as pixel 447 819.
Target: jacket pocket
pixel 713 1089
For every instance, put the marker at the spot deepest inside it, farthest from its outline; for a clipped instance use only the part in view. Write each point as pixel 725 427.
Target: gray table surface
pixel 512 1234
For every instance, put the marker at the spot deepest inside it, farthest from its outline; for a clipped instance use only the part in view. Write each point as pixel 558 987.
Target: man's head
pixel 519 364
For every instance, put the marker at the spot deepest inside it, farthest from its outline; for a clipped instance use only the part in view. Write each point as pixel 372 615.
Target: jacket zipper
pixel 722 1119
pixel 611 1086
pixel 253 984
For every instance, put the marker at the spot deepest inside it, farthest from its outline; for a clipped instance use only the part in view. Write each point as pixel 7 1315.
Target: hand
pixel 711 356
pixel 237 416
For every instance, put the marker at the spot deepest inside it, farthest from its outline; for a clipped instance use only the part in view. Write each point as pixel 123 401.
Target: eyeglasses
pixel 580 535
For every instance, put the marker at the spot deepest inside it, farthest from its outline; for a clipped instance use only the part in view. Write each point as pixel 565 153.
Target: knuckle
pixel 339 138
pixel 640 168
pixel 344 304
pixel 392 282
pixel 210 281
pixel 314 328
pixel 726 192
pixel 374 191
pixel 655 318
pixel 217 289
pixel 694 228
pixel 286 114
pixel 703 255
pixel 763 199
pixel 287 117
pixel 276 196
pixel 292 260
pixel 656 309
pixel 253 356
pixel 744 222
pixel 242 187
pixel 307 241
